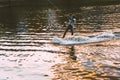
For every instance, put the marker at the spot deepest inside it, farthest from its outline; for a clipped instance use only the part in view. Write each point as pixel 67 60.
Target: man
pixel 70 25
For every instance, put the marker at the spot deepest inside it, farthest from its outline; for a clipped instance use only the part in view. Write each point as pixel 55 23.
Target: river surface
pixel 27 53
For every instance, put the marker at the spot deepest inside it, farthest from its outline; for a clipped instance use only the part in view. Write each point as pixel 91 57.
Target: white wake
pixel 87 39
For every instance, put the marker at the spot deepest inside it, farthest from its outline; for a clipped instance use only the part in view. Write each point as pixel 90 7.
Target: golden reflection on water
pixel 73 70
pixel 89 62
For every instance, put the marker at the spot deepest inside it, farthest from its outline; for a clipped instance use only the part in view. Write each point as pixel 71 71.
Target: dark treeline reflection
pixel 60 3
pixel 13 18
pixel 8 18
pixel 41 18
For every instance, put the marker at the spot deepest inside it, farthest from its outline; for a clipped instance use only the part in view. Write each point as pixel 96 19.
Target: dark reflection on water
pixel 72 53
pixel 14 18
pixel 37 19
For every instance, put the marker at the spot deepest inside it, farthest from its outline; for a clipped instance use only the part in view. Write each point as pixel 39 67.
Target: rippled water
pixel 27 53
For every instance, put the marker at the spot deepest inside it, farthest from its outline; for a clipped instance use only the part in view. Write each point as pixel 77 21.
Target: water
pixel 27 53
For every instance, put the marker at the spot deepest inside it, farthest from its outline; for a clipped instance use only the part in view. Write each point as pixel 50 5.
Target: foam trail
pixel 87 39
